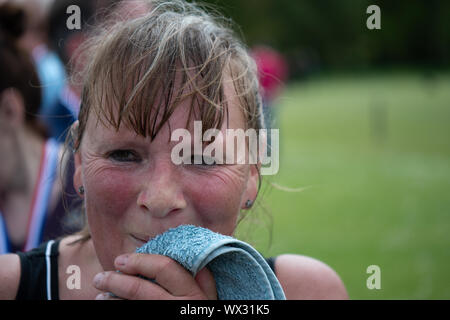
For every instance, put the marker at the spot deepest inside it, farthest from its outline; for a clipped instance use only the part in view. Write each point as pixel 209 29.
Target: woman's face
pixel 133 190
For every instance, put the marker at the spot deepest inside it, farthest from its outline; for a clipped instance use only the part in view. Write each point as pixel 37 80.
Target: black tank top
pixel 39 272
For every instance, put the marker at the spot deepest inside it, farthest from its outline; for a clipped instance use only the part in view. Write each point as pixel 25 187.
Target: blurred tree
pixel 333 34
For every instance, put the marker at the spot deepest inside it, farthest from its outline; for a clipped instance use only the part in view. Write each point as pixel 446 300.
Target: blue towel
pixel 240 272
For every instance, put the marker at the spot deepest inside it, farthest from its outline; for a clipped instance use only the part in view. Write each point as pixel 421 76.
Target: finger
pixel 129 287
pixel 207 284
pixel 167 273
pixel 107 296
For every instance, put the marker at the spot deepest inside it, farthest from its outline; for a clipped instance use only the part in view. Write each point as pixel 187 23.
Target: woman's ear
pixel 252 187
pixel 77 177
pixel 254 179
pixel 12 107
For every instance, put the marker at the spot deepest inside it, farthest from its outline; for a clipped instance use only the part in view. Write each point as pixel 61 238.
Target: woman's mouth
pixel 139 238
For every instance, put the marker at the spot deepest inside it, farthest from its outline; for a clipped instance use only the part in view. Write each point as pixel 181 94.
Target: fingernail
pixel 122 260
pixel 102 296
pixel 98 279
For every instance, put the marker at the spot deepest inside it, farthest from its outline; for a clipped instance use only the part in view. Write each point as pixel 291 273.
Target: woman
pixel 31 206
pixel 144 79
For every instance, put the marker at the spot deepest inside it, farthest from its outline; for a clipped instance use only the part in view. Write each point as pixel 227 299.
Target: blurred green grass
pixel 374 152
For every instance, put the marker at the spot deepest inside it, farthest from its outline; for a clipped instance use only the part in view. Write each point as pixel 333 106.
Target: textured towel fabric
pixel 240 272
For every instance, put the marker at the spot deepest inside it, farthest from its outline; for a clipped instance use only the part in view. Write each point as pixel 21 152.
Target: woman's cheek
pixel 108 197
pixel 111 192
pixel 217 201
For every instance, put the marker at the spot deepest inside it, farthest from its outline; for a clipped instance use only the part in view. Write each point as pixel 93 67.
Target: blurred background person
pixel 55 112
pixel 31 191
pixel 273 74
pixel 65 42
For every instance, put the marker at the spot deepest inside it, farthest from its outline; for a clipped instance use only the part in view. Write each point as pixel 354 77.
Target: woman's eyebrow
pixel 105 140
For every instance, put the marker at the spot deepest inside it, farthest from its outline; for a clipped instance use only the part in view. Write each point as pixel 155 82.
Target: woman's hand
pixel 173 281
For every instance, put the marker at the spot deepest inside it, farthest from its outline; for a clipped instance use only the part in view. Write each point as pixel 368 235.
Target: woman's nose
pixel 161 192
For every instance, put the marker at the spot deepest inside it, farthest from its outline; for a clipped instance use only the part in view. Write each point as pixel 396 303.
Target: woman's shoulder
pixel 11 268
pixel 304 277
pixel 9 276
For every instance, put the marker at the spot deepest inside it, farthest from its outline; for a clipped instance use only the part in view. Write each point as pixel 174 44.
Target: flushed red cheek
pixel 113 194
pixel 108 199
pixel 216 204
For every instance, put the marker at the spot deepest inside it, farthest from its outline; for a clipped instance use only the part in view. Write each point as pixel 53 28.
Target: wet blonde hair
pixel 132 67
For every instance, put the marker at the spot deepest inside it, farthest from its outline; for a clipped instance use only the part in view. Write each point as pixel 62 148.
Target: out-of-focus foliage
pixel 333 34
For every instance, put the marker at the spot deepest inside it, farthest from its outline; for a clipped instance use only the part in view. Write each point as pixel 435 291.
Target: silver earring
pixel 248 203
pixel 81 189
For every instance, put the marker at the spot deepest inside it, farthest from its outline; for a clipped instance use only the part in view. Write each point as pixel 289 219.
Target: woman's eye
pixel 124 156
pixel 202 160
